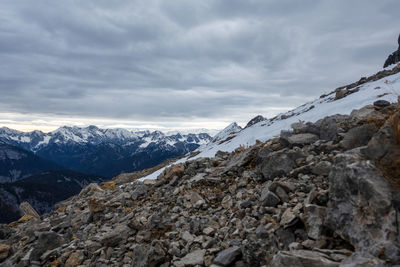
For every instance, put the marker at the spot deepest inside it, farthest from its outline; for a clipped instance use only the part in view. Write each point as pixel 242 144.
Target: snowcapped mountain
pixel 105 152
pixel 93 135
pixel 227 133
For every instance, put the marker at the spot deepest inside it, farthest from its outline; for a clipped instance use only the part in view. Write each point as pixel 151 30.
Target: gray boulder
pixel 360 208
pixel 279 163
pixel 321 168
pixel 358 136
pixel 328 128
pixel 302 139
pixel 140 190
pixel 227 256
pixel 269 199
pixel 314 220
pixel 194 258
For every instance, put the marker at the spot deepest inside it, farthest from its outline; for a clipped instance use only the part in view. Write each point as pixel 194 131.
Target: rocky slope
pixel 322 194
pixel 105 152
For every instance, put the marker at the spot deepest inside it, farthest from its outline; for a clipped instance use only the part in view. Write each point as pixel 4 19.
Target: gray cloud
pixel 179 60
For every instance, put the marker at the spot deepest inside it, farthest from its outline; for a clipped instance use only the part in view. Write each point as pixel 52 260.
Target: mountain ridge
pixel 107 152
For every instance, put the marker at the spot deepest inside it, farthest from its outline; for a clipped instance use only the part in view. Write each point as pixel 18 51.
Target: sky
pixel 181 64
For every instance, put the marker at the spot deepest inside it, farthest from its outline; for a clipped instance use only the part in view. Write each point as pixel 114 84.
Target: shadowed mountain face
pixel 16 163
pixel 105 152
pixel 42 191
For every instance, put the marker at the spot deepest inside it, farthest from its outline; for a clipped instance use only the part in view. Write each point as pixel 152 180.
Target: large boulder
pixel 302 139
pixel 328 127
pixel 360 208
pixel 358 136
pixel 279 163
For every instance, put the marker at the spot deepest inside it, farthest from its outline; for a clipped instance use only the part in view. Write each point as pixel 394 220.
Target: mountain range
pixel 105 152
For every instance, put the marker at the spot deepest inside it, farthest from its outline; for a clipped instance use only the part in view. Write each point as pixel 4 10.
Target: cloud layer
pixel 177 63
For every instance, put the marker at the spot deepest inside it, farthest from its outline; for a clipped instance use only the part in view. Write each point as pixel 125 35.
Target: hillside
pixel 322 192
pixel 16 164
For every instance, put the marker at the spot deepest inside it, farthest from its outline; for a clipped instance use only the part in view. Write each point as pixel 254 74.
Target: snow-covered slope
pixel 381 86
pixel 387 88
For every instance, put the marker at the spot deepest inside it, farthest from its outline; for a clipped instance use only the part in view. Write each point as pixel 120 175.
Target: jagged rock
pixel 279 163
pixel 287 186
pixel 195 198
pixel 4 251
pixel 328 128
pixel 383 147
pixel 302 139
pixel 139 190
pixel 194 258
pixel 227 256
pixel 302 258
pixel 90 189
pixel 269 199
pixel 241 159
pixel 75 259
pixel 174 170
pixel 314 220
pixel 111 239
pixel 358 136
pixel 289 218
pixel 227 202
pixel 360 207
pixel 322 168
pixel 27 209
pixel 208 231
pixel 281 193
pixel 46 241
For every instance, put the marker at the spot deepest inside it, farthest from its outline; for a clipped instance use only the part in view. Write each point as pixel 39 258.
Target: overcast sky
pixel 179 63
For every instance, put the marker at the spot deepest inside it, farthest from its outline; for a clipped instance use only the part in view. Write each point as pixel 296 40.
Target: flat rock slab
pixel 302 139
pixel 194 258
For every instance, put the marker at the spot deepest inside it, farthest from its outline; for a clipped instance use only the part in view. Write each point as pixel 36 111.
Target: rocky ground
pixel 323 194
